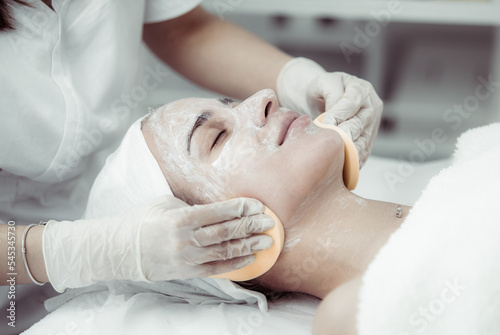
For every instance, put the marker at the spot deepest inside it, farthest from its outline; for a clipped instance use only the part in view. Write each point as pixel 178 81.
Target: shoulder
pixel 337 312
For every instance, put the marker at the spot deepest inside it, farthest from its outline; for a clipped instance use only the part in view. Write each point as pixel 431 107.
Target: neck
pixel 331 239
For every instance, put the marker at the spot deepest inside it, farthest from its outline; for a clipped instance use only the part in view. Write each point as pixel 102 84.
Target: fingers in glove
pixel 365 143
pixel 215 268
pixel 234 248
pixel 359 123
pixel 330 87
pixel 349 105
pixel 203 215
pixel 362 138
pixel 232 229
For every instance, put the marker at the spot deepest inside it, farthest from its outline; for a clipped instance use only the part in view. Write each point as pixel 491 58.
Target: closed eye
pixel 219 136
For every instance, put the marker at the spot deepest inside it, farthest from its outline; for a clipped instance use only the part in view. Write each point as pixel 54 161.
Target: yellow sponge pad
pixel 265 259
pixel 351 161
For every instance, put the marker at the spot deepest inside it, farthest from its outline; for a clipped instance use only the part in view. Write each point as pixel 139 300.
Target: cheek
pixel 246 177
pixel 257 180
pixel 316 156
pixel 234 164
pixel 190 180
pixel 248 170
pixel 283 180
pixel 196 187
pixel 310 162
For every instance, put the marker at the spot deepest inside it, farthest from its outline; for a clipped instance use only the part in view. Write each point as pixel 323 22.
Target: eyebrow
pixel 225 100
pixel 203 117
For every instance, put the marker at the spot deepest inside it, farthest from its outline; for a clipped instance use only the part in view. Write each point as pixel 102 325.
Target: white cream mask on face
pixel 243 142
pixel 247 135
pixel 238 129
pixel 171 126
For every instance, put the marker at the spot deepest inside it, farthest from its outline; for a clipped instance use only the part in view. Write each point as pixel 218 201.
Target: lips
pixel 286 123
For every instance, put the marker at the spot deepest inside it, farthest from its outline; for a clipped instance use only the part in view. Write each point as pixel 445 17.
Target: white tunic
pixel 70 85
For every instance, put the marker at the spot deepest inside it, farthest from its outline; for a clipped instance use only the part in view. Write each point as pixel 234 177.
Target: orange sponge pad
pixel 265 259
pixel 351 161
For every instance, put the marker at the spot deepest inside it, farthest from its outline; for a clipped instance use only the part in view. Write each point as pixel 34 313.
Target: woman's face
pixel 211 150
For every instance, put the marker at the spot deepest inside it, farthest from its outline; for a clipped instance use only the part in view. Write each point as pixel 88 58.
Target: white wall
pixel 427 73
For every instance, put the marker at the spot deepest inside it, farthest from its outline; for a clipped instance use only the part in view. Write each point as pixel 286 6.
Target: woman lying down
pixel 380 269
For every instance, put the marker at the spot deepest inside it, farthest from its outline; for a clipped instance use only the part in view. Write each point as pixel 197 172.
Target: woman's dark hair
pixel 6 21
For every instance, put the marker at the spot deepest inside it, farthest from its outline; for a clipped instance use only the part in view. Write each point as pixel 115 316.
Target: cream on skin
pixel 257 149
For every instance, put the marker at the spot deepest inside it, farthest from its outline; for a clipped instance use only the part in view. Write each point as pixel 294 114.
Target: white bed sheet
pixel 150 313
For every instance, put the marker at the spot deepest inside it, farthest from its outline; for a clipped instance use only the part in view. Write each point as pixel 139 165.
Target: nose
pixel 265 104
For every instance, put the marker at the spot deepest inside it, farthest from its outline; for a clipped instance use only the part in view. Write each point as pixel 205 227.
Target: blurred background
pixel 434 63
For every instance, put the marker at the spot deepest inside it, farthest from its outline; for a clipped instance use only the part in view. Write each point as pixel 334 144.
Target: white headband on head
pixel 131 176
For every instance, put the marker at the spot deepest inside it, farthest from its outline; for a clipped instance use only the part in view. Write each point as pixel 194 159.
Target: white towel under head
pixel 131 176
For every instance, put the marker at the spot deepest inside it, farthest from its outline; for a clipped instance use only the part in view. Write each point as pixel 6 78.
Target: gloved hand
pixel 162 240
pixel 349 102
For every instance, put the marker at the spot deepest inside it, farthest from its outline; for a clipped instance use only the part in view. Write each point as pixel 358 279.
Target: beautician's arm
pixel 163 239
pixel 336 315
pixel 227 59
pixel 34 255
pixel 215 53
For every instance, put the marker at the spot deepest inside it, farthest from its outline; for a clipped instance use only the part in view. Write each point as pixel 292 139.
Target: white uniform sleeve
pixel 162 10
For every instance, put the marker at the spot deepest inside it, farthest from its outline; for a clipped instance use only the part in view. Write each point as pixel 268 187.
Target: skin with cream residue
pixel 248 158
pixel 260 150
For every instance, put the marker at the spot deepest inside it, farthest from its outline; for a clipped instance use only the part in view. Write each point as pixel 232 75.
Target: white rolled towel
pixel 439 273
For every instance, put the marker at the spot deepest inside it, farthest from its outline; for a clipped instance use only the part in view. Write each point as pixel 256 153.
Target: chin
pixel 313 162
pixel 321 154
pixel 286 180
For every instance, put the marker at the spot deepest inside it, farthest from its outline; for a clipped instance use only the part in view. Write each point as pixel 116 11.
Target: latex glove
pixel 162 240
pixel 349 102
